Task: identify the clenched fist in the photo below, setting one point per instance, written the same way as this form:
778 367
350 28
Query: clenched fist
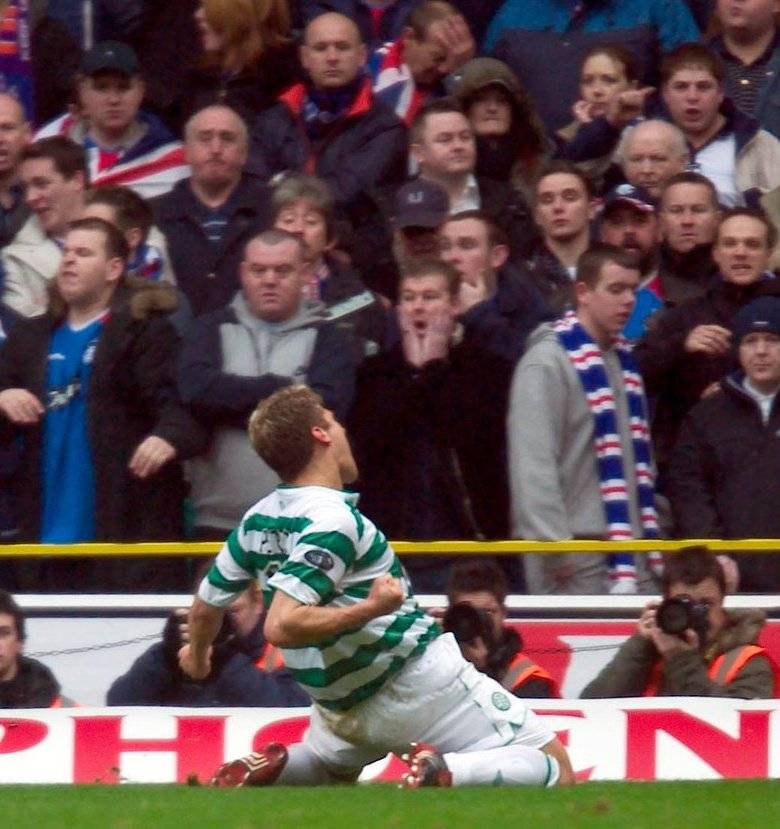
386 595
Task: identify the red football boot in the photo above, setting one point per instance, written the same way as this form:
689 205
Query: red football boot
426 768
260 768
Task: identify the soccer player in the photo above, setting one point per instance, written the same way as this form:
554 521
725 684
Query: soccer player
340 607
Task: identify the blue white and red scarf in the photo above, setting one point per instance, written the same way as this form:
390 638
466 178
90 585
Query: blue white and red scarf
588 362
151 174
393 83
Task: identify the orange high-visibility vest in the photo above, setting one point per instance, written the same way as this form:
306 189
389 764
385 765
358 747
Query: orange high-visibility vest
723 670
521 669
270 659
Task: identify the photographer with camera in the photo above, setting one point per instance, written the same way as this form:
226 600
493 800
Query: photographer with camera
476 616
689 644
246 670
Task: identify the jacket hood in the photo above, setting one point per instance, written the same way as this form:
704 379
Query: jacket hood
138 297
147 298
744 627
526 124
480 73
543 332
308 314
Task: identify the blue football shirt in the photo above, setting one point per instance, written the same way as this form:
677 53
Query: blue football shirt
68 470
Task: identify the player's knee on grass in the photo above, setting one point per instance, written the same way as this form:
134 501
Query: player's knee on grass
305 768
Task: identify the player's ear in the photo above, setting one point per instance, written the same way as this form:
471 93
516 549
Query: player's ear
321 435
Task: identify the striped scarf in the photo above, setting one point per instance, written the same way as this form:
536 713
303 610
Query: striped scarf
588 362
393 83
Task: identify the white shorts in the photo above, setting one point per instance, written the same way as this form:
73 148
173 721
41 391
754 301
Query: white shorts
438 698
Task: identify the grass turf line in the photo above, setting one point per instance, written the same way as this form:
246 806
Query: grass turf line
688 805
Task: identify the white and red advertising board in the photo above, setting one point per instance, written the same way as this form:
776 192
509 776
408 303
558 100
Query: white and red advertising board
659 739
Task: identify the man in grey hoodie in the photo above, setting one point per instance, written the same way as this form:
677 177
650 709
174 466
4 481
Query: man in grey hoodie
557 484
267 337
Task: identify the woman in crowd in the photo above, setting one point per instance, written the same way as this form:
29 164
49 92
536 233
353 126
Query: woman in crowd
606 72
247 59
303 205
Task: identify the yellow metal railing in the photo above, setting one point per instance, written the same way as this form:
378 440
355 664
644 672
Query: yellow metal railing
404 548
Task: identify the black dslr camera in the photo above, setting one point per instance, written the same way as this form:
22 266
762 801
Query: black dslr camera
674 616
467 623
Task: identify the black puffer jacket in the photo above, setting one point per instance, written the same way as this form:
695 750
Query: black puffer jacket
724 479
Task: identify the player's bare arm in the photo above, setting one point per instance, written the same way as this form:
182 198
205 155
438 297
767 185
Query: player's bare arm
290 624
203 624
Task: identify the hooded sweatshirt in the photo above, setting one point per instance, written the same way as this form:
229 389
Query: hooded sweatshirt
230 477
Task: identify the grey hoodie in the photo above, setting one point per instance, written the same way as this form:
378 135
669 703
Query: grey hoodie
553 472
230 477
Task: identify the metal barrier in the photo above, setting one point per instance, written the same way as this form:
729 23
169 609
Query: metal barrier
404 548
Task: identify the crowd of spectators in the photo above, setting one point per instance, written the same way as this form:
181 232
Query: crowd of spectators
526 250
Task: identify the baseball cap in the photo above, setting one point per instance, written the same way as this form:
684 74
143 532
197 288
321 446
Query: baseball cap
762 315
636 197
420 203
110 56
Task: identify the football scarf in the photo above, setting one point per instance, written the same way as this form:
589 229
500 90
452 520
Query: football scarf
588 362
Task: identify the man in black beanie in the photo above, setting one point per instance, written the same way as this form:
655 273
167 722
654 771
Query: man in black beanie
725 471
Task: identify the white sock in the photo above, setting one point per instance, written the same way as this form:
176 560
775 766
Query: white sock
512 765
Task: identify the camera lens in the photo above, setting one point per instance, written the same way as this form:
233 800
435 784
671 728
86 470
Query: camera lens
673 616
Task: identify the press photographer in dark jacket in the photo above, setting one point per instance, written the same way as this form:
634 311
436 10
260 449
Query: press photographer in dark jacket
476 592
246 670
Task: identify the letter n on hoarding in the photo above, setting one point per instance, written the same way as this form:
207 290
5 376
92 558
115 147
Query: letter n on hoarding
743 756
98 746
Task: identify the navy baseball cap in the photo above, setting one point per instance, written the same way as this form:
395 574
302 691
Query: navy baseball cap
420 203
110 56
636 197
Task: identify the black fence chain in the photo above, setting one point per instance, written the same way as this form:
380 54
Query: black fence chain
103 646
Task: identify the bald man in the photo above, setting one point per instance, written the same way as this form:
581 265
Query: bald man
330 125
14 137
208 218
650 153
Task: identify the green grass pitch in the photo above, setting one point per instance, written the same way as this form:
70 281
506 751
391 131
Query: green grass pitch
710 805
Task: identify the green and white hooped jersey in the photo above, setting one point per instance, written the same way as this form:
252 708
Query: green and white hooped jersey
312 544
